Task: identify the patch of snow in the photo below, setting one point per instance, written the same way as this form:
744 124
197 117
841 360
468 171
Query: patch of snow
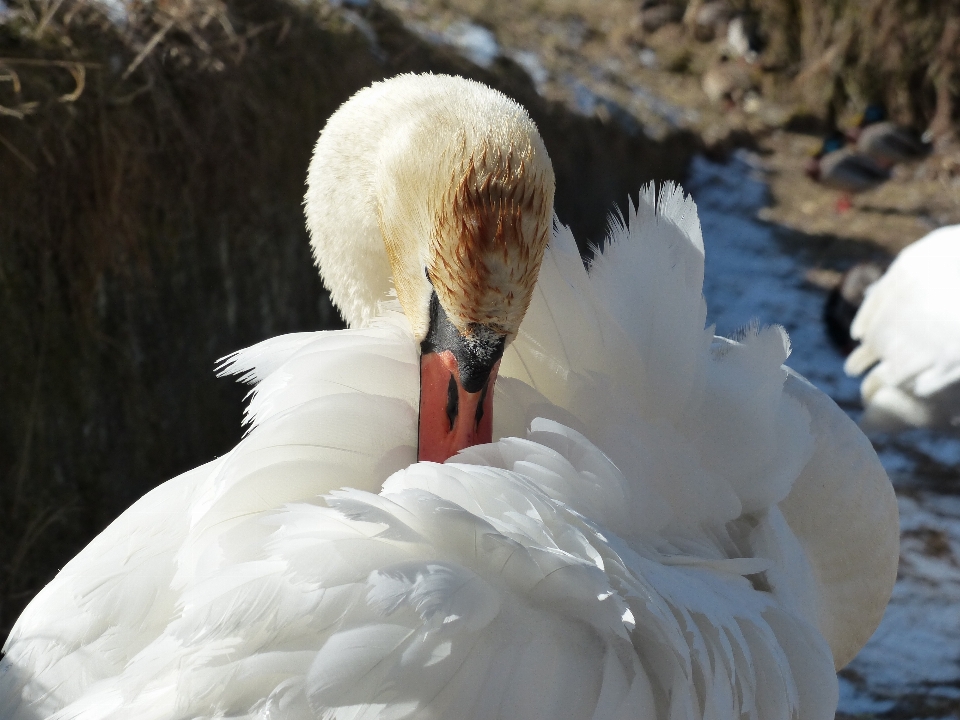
586 102
115 10
855 702
944 449
648 58
951 693
917 646
364 27
902 454
896 460
530 62
675 116
425 33
474 42
911 649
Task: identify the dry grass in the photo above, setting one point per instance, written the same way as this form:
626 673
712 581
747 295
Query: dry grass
903 53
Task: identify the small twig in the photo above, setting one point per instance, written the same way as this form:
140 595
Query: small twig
263 27
71 13
238 40
197 39
284 30
207 17
17 154
47 17
20 111
234 38
28 11
79 73
11 112
227 25
48 156
148 48
12 77
130 97
45 63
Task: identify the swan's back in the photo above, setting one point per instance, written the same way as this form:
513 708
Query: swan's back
909 332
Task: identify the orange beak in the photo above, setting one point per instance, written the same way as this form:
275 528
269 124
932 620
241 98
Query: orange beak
451 418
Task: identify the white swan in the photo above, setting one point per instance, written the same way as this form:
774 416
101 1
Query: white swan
666 525
909 332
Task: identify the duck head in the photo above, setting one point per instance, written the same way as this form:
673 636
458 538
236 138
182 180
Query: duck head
442 189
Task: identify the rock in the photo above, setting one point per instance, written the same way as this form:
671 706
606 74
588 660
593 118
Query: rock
654 14
727 80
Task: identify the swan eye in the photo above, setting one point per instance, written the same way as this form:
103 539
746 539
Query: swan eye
453 401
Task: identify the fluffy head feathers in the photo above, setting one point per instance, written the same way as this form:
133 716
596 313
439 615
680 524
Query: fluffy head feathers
438 183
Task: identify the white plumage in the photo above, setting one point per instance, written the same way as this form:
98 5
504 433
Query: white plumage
667 525
909 333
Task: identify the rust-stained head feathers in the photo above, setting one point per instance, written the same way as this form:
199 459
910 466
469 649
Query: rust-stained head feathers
489 234
450 183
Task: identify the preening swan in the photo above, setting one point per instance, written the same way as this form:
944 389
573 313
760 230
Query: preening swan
663 524
909 332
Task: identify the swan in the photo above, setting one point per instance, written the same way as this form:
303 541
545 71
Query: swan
909 332
637 519
846 169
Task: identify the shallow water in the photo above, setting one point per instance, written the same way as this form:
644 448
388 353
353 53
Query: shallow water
911 666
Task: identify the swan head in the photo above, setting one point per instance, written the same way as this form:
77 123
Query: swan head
440 188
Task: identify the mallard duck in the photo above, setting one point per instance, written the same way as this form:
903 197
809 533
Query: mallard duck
845 169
